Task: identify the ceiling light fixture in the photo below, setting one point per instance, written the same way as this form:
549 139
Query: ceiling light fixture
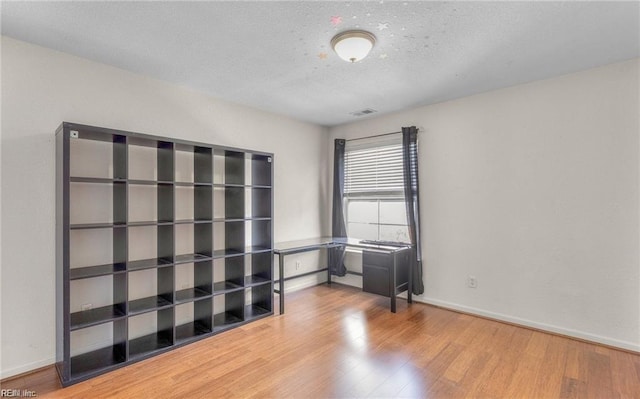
353 45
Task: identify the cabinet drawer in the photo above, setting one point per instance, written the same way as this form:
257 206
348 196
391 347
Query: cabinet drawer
377 259
376 280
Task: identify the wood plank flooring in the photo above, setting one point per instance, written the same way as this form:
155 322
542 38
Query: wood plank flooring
340 342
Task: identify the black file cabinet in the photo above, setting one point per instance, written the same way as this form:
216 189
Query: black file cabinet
378 271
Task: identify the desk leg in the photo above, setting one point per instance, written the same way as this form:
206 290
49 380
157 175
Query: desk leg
410 289
394 282
328 266
281 276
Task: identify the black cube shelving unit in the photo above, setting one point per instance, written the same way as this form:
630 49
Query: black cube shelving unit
159 242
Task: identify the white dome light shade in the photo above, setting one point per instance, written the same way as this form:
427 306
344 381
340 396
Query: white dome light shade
353 45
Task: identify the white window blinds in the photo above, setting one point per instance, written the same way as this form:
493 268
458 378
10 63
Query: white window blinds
374 168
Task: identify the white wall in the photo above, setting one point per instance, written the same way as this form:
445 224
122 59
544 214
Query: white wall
40 89
533 190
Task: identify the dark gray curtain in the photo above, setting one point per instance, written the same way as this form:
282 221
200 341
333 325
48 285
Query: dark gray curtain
338 227
411 198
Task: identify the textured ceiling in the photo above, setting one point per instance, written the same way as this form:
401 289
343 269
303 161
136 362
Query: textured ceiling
276 55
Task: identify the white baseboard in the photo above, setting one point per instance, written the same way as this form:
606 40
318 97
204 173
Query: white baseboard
6 373
349 279
302 283
533 324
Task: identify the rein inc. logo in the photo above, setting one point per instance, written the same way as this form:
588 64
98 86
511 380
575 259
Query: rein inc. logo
17 393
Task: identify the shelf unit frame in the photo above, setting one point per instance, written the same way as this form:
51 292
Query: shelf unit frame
247 288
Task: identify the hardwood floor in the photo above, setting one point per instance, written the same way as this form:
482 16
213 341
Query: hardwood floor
341 342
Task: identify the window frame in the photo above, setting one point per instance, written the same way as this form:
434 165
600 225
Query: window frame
379 196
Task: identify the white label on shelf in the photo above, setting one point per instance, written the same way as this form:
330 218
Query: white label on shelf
269 159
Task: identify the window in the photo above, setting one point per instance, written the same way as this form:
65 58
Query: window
374 190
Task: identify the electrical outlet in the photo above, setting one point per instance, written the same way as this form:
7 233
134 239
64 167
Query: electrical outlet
86 306
298 265
472 282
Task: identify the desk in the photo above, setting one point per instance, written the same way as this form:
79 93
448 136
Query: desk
314 244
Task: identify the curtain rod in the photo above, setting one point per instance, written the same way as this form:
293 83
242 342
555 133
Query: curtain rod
370 137
377 135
